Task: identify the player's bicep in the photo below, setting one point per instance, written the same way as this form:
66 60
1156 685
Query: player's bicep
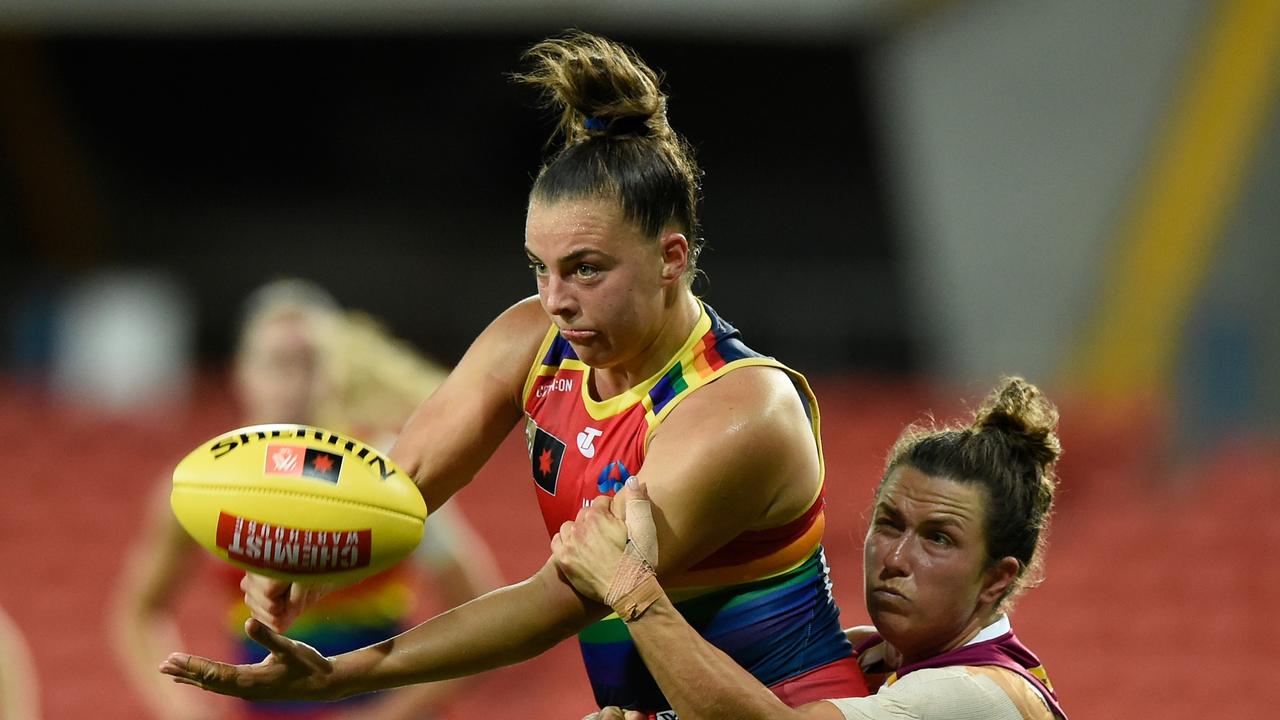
707 487
455 430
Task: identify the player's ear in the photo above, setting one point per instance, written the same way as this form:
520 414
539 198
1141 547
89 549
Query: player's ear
675 256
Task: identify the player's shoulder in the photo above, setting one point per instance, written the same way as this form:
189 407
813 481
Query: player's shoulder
752 403
933 694
764 391
941 691
524 320
516 333
501 355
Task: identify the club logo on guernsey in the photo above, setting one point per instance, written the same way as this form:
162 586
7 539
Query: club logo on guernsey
545 453
585 440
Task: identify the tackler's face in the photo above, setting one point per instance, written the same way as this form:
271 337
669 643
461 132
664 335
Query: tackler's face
600 279
926 580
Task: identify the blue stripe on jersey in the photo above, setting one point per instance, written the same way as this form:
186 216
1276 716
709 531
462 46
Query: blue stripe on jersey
728 340
559 350
667 387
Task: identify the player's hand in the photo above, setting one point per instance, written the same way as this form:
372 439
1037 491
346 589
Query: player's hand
612 712
277 603
588 548
293 670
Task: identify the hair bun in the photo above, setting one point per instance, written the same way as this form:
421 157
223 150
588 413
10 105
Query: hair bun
1018 409
602 88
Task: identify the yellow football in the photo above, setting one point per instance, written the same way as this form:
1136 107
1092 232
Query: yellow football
298 503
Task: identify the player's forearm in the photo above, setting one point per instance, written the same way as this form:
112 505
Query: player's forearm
699 680
442 448
415 702
139 640
19 696
500 628
144 629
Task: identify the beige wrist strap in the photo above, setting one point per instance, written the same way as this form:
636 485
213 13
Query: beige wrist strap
635 583
634 588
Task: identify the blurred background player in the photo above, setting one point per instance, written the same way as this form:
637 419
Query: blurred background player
19 695
302 359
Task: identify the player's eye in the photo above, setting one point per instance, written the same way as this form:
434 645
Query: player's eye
941 538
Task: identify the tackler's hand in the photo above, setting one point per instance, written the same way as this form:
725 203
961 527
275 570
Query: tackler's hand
588 548
293 670
613 712
609 560
642 534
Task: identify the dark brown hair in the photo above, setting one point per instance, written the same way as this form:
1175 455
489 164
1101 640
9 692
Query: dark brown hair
1011 449
617 143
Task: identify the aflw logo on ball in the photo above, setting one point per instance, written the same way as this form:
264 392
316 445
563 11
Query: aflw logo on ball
302 461
292 549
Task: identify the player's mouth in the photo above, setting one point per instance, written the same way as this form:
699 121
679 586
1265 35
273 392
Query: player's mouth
578 337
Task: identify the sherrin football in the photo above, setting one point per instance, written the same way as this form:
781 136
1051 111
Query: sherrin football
298 503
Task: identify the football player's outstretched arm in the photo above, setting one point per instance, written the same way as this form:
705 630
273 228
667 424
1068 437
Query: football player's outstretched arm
445 442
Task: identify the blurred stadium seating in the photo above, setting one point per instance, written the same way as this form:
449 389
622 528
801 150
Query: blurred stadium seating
1159 598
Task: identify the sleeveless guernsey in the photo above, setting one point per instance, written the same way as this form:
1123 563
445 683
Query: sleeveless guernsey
1004 650
764 598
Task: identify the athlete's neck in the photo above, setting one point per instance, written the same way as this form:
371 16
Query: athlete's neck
677 323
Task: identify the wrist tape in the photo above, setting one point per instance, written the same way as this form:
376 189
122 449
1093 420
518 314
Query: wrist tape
635 583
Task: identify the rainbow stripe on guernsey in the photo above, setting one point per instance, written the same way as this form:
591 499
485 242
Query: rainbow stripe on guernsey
383 601
371 611
362 614
764 598
703 364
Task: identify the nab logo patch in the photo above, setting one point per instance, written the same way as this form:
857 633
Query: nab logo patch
545 455
303 462
612 477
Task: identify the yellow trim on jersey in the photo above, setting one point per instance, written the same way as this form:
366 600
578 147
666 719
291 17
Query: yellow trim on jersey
604 409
